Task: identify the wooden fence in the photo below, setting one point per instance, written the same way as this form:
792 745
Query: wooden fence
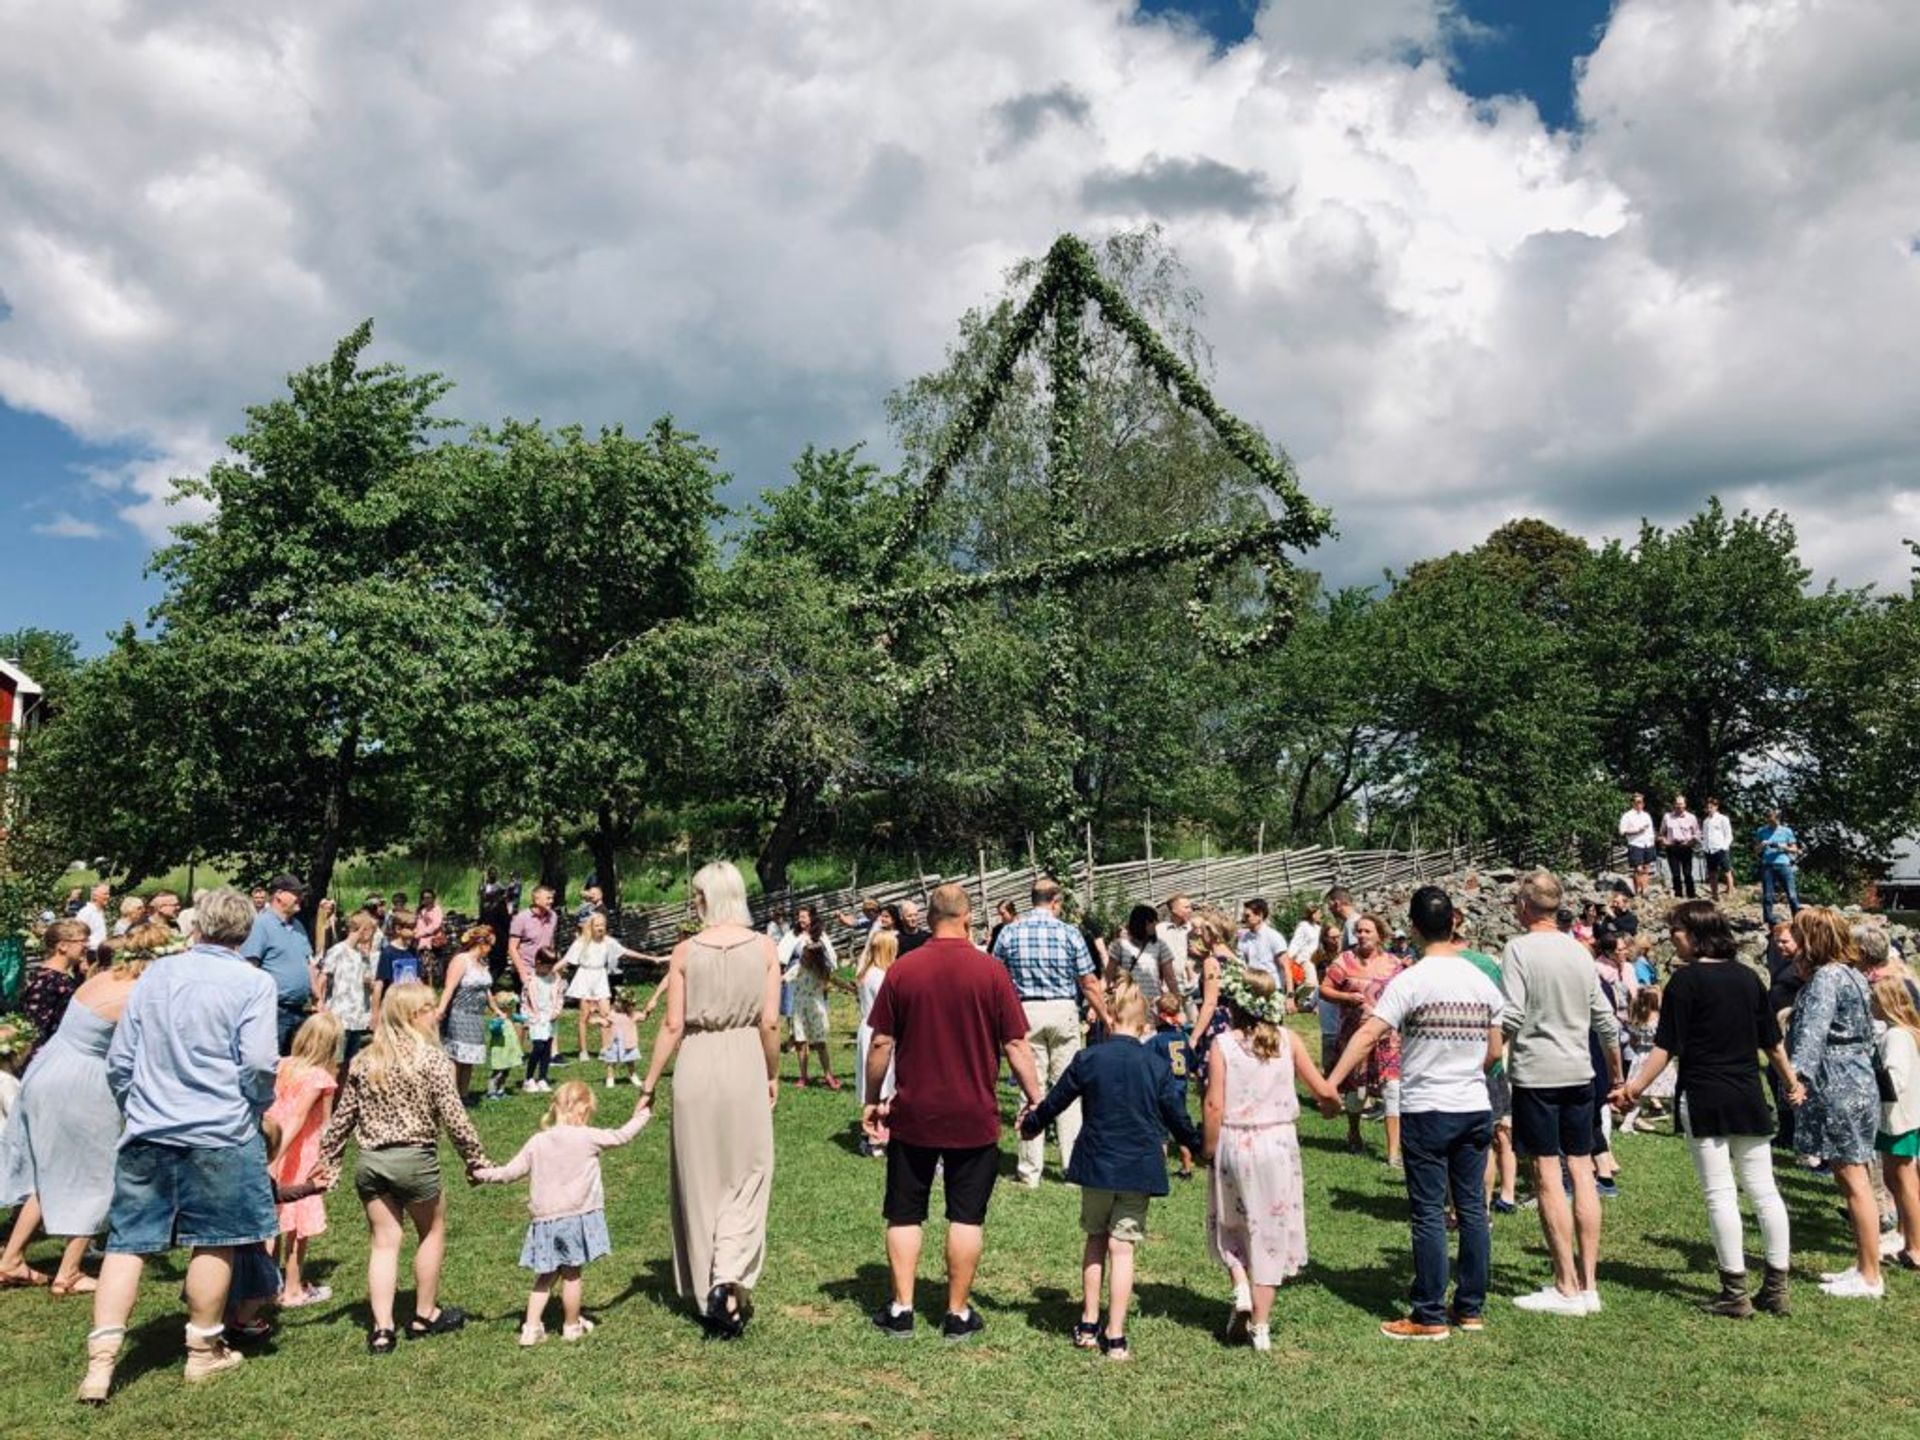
1110 889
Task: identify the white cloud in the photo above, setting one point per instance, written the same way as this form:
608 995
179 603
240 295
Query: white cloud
69 527
762 216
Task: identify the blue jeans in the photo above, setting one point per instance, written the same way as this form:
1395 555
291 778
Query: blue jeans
1772 878
1446 1156
194 1198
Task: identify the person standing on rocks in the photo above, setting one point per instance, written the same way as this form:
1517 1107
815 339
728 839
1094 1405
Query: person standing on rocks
1553 1000
1716 839
1779 849
1680 837
1636 830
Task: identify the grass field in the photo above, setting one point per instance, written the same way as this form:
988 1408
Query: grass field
1651 1364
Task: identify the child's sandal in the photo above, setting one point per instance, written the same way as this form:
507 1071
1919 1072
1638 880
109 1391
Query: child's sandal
1114 1347
1086 1334
382 1342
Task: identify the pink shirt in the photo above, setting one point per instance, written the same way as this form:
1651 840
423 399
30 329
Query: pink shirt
1680 829
531 933
565 1165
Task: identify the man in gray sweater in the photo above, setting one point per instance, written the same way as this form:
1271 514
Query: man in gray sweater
1553 1000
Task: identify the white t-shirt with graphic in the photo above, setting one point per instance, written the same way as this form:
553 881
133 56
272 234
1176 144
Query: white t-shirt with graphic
1442 1008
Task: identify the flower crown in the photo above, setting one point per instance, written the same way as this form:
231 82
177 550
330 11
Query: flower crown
17 1036
176 946
1238 991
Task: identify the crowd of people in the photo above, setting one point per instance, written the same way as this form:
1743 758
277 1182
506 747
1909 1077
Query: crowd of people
197 1081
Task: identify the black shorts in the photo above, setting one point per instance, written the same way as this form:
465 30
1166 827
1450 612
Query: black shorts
968 1176
1719 863
1559 1121
1641 856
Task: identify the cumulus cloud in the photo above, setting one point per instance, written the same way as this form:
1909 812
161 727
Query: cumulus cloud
762 215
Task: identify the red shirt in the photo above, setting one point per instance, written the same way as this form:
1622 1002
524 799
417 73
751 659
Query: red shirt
949 1008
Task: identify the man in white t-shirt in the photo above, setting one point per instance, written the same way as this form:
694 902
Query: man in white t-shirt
93 915
1716 839
1447 1014
1259 944
1636 829
1174 932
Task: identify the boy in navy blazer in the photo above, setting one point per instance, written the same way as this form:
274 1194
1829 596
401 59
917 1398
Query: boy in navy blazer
1130 1100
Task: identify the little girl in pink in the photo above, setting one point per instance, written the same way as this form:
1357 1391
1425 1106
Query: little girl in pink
569 1228
303 1090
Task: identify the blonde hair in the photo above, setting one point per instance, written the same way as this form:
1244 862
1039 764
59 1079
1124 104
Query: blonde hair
1263 1036
1128 1007
883 948
397 1045
1894 1004
596 926
315 1043
361 925
720 895
572 1104
135 950
1540 892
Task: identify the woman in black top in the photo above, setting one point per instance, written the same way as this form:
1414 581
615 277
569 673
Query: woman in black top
1715 1019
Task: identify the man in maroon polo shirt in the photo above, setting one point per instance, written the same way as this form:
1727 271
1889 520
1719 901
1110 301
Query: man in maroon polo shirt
944 1016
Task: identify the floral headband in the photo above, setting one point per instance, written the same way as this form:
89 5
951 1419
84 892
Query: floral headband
1239 993
17 1036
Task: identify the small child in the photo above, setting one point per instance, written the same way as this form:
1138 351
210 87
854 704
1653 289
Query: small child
303 1091
1173 1041
503 1042
1256 1199
622 1042
544 1000
1129 1100
1643 1019
569 1229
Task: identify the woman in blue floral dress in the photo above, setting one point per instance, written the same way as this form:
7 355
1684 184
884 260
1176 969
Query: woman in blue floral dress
1831 1042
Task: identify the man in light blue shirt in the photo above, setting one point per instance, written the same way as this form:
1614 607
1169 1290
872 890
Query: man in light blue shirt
1778 846
192 1065
1260 945
281 947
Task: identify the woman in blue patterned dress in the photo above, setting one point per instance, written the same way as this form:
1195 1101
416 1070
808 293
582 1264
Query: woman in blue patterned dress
1831 1041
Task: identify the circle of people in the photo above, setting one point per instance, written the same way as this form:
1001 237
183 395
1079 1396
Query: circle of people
182 1097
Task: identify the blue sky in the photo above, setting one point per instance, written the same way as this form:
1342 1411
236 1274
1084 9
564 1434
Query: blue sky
1450 314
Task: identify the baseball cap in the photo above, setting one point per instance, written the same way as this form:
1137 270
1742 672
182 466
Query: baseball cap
284 882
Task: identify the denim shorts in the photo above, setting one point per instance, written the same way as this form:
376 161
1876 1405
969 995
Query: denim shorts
175 1195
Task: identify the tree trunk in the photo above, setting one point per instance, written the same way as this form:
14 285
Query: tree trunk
553 862
777 850
606 863
333 822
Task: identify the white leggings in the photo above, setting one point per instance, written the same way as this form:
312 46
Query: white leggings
1718 1160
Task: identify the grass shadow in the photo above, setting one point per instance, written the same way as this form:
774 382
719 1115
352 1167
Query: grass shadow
1388 1205
655 1283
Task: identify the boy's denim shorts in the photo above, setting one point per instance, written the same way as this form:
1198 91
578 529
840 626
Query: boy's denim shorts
173 1195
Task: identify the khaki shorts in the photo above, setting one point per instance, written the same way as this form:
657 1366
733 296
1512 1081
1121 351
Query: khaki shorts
407 1173
1118 1214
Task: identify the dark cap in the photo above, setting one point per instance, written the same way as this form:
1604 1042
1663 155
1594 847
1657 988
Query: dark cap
285 882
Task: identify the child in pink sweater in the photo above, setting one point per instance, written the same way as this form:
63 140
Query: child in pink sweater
569 1226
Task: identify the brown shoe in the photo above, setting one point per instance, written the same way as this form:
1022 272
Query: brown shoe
1413 1330
1773 1293
209 1355
103 1351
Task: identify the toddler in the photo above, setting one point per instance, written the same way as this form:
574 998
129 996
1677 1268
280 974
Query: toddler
622 1042
1643 1019
503 1042
1129 1099
543 1000
303 1091
569 1228
1172 1040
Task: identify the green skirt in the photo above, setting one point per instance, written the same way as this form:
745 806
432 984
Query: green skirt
1901 1147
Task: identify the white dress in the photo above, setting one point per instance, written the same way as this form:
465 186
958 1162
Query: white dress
591 961
863 1038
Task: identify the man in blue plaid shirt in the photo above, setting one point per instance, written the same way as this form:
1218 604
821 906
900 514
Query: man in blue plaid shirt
1051 968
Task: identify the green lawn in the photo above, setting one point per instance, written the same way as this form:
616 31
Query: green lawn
1650 1365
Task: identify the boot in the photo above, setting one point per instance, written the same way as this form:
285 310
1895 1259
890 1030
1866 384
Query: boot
1732 1300
208 1354
1773 1293
103 1351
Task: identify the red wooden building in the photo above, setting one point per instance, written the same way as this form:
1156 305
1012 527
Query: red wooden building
19 709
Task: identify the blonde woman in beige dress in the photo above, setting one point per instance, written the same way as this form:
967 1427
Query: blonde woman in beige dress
723 1016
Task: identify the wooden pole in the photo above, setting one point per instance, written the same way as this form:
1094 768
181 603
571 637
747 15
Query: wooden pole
981 852
1086 902
1206 868
920 875
1286 870
1147 827
1260 860
1033 860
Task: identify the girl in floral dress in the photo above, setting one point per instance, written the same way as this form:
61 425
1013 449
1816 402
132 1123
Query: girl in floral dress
303 1091
1256 1203
1355 983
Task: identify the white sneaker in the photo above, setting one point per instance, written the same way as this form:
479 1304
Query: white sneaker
611 1082
1549 1301
636 1082
1261 1337
1243 1297
1591 1299
1891 1244
577 1331
531 1335
1853 1286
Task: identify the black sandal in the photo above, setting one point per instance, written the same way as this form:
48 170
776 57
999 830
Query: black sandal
446 1320
1086 1334
382 1342
723 1322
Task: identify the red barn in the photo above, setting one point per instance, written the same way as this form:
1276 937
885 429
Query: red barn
19 708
